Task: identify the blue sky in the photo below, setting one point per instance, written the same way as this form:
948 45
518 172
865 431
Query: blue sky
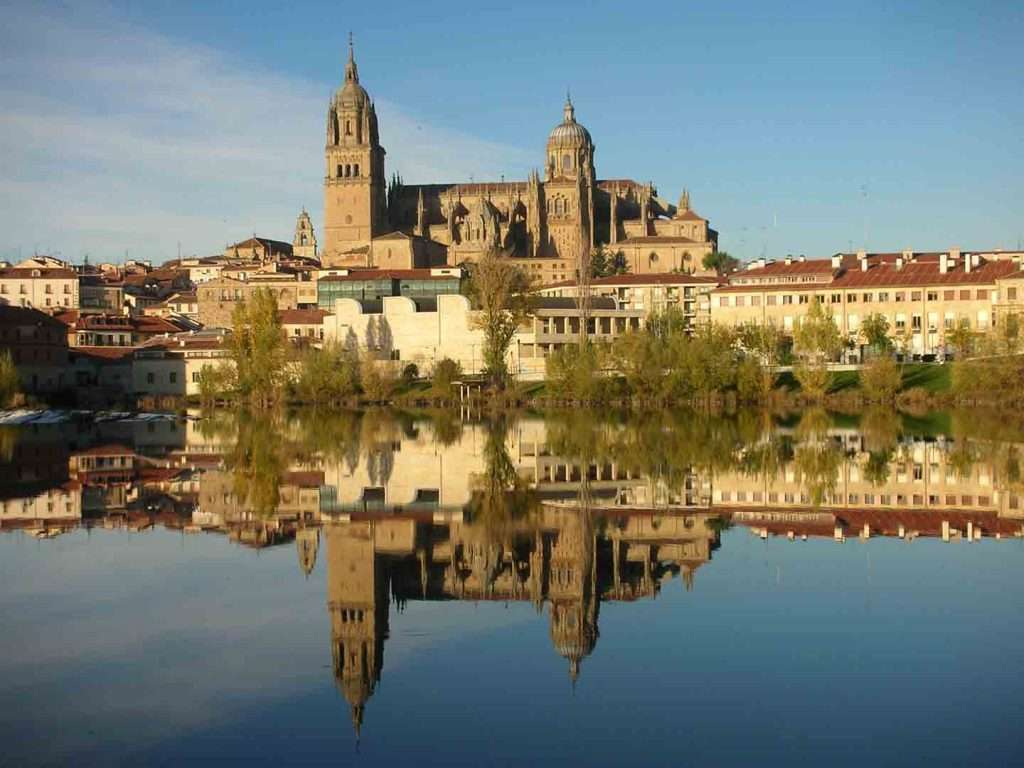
798 127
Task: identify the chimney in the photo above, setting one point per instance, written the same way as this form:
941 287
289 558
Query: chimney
802 258
943 263
954 256
837 261
789 259
908 256
899 262
864 264
968 262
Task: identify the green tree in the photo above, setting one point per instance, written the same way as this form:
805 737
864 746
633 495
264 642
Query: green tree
764 343
817 341
961 338
257 346
575 372
216 383
721 262
378 378
880 379
10 384
604 263
446 371
500 292
327 375
874 330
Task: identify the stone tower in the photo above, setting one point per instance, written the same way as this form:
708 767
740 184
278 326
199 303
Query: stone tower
569 188
357 599
304 242
354 188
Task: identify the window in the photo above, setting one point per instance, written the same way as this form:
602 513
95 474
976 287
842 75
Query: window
949 295
150 378
355 169
348 127
980 295
901 322
755 301
195 377
1011 294
804 298
883 296
566 162
867 297
933 295
173 378
741 301
787 299
837 298
965 295
915 295
900 296
770 300
915 322
851 298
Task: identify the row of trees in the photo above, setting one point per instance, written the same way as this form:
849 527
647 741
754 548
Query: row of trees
668 360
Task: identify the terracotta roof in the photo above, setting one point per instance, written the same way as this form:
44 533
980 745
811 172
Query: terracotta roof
688 215
48 273
105 354
795 267
926 273
302 316
666 278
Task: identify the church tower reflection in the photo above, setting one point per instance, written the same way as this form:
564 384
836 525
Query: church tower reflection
567 556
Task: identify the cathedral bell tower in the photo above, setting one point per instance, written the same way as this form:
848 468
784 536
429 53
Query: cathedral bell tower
569 189
354 189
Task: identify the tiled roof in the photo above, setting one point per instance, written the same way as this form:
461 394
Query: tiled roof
688 215
47 273
302 316
105 354
665 278
926 273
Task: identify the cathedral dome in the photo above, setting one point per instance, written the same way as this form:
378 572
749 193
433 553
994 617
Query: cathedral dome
351 94
569 133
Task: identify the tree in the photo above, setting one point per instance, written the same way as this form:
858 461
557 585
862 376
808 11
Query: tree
328 375
500 291
378 378
874 330
606 264
446 371
257 347
764 341
880 379
10 384
575 372
216 382
817 341
721 262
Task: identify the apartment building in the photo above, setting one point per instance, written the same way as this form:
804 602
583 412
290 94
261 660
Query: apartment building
650 293
42 287
923 295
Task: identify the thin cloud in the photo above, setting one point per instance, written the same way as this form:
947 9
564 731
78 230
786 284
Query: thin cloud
117 139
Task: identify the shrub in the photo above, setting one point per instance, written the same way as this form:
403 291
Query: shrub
378 379
410 373
880 379
753 380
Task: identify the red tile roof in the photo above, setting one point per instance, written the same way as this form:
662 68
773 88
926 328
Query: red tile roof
924 273
302 316
385 274
48 273
661 278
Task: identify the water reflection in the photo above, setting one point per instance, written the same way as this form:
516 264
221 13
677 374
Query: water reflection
564 513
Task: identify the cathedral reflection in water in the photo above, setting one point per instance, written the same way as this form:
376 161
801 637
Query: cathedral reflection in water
400 509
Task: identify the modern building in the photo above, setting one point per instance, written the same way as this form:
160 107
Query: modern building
375 284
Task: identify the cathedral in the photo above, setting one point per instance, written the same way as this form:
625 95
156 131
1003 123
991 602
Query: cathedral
547 223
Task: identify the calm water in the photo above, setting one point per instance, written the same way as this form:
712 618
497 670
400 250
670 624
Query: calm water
376 589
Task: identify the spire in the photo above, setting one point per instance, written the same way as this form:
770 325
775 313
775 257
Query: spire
569 110
351 72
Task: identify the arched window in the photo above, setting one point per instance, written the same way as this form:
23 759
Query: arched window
348 127
348 170
566 162
653 257
355 169
341 170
